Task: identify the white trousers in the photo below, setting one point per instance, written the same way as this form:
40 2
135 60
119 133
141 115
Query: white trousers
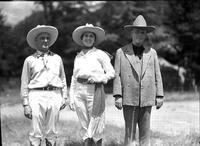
93 127
45 107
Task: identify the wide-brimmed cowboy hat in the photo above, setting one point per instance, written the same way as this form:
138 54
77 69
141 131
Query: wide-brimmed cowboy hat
140 23
78 32
33 33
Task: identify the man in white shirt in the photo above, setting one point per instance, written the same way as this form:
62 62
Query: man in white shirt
43 86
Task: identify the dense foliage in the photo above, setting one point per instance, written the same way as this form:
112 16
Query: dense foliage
176 36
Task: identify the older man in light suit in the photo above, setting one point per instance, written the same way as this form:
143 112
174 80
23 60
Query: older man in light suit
138 83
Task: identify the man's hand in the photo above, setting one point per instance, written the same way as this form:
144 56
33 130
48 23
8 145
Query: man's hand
63 105
118 102
28 111
159 102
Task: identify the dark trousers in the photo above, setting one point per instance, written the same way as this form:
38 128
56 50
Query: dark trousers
133 116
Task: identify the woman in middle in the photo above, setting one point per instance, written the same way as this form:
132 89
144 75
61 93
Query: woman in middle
92 69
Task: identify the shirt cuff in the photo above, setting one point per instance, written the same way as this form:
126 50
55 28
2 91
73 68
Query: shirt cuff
158 96
25 101
117 96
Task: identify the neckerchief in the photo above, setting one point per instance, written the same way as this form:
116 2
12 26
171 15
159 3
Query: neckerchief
138 50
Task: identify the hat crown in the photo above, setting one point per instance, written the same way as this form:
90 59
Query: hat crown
40 26
140 21
89 25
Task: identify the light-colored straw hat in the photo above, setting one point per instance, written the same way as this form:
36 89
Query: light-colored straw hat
78 32
33 33
140 23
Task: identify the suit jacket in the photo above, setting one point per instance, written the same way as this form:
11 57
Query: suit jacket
137 89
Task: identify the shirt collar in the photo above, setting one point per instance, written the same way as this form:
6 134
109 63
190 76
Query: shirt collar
82 53
41 54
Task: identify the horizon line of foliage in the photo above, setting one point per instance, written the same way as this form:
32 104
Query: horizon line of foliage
176 36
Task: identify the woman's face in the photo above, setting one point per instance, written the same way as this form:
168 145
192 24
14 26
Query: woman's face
88 39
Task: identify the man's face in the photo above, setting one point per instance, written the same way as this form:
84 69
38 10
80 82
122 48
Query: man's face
42 42
138 36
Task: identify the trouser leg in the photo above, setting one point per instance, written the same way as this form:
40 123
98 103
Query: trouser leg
38 113
52 117
144 125
130 117
83 104
82 113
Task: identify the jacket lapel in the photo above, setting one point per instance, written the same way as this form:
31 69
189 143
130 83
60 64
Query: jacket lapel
146 58
128 51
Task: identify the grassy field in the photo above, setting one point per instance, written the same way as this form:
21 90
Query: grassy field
15 133
15 130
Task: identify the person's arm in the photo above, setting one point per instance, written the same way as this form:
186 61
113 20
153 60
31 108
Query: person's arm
63 79
107 66
158 78
25 79
159 84
117 87
64 87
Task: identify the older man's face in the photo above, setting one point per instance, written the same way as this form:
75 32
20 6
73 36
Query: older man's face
42 41
138 36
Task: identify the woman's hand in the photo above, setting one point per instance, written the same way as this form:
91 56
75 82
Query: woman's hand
91 80
63 105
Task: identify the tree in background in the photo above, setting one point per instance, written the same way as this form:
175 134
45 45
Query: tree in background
4 44
110 15
185 21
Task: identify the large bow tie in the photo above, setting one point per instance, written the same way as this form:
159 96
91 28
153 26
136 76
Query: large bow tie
138 50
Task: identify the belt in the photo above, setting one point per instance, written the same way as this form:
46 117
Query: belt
82 80
49 88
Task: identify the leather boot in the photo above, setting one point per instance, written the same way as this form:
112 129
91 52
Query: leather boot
98 143
49 143
88 142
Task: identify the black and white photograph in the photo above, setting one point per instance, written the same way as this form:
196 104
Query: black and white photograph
100 73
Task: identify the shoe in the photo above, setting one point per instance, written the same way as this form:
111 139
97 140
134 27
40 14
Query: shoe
48 143
98 143
88 142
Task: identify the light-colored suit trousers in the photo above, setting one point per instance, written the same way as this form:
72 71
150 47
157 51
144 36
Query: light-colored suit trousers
45 107
93 126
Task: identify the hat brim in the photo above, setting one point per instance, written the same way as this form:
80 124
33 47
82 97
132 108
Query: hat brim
147 28
77 33
32 34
